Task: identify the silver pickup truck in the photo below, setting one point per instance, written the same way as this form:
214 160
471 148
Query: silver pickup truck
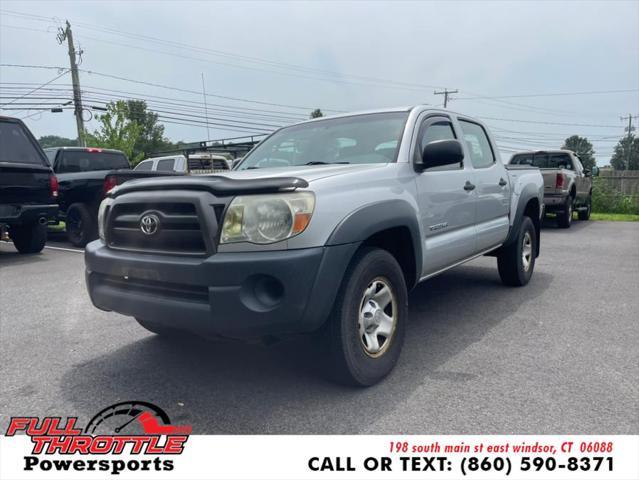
322 228
567 184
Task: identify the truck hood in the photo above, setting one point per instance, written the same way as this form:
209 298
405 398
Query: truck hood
246 181
309 173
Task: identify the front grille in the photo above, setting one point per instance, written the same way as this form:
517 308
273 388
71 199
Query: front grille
178 228
160 289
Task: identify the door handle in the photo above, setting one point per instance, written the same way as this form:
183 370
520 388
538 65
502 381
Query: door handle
469 186
502 182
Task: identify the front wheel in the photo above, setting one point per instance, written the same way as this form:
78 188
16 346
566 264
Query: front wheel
29 238
365 331
516 262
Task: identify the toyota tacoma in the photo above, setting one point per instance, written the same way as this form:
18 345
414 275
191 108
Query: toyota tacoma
322 228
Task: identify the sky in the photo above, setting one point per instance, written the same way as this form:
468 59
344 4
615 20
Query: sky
535 72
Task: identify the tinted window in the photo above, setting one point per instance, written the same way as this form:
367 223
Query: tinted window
51 155
165 165
16 146
89 161
436 131
543 160
481 153
370 138
144 166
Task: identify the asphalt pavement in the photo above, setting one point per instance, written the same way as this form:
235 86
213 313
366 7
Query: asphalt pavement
560 355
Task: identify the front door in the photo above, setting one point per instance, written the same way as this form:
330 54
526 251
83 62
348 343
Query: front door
446 203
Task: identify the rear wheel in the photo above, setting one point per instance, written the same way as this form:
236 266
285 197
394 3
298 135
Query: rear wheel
516 262
81 225
365 331
585 213
29 238
564 218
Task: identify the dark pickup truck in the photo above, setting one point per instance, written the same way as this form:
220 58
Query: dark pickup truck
28 187
85 175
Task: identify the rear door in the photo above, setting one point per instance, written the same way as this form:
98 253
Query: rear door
491 186
582 183
24 169
447 210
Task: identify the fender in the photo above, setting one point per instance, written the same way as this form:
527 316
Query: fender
528 193
376 217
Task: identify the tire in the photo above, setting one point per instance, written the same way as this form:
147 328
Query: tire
158 329
585 214
362 355
81 225
564 218
516 262
29 238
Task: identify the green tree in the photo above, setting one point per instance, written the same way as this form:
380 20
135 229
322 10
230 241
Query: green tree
48 141
117 131
582 147
317 113
626 149
151 137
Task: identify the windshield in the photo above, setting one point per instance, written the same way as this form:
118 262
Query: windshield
90 160
372 138
543 160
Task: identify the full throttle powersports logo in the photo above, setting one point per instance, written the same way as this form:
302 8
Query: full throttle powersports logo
125 428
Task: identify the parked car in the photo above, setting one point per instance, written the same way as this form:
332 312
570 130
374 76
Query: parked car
28 187
567 184
324 227
198 163
85 174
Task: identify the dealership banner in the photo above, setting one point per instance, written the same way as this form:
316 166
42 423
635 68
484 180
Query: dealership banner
60 449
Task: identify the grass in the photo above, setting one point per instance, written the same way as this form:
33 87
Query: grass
615 217
57 228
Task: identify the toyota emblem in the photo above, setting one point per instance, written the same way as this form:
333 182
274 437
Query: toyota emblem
149 224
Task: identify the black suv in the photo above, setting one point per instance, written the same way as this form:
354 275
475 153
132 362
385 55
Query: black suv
28 187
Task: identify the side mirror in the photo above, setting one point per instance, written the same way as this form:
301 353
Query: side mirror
595 171
587 172
236 162
441 152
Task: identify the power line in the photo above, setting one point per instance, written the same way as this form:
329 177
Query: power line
531 95
35 89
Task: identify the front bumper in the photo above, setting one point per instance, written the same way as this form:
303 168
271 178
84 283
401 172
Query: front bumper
26 214
236 295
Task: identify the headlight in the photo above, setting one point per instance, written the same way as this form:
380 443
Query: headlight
267 218
101 214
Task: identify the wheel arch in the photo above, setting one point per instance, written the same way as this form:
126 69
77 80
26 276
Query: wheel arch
391 225
530 206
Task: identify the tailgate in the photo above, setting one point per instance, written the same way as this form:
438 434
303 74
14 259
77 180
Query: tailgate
24 184
550 180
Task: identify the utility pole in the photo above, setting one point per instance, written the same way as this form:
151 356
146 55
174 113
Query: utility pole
445 93
629 128
67 34
206 110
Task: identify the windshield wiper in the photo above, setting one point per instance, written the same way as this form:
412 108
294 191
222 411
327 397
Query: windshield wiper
327 163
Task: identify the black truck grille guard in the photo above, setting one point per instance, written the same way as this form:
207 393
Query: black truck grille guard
164 227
